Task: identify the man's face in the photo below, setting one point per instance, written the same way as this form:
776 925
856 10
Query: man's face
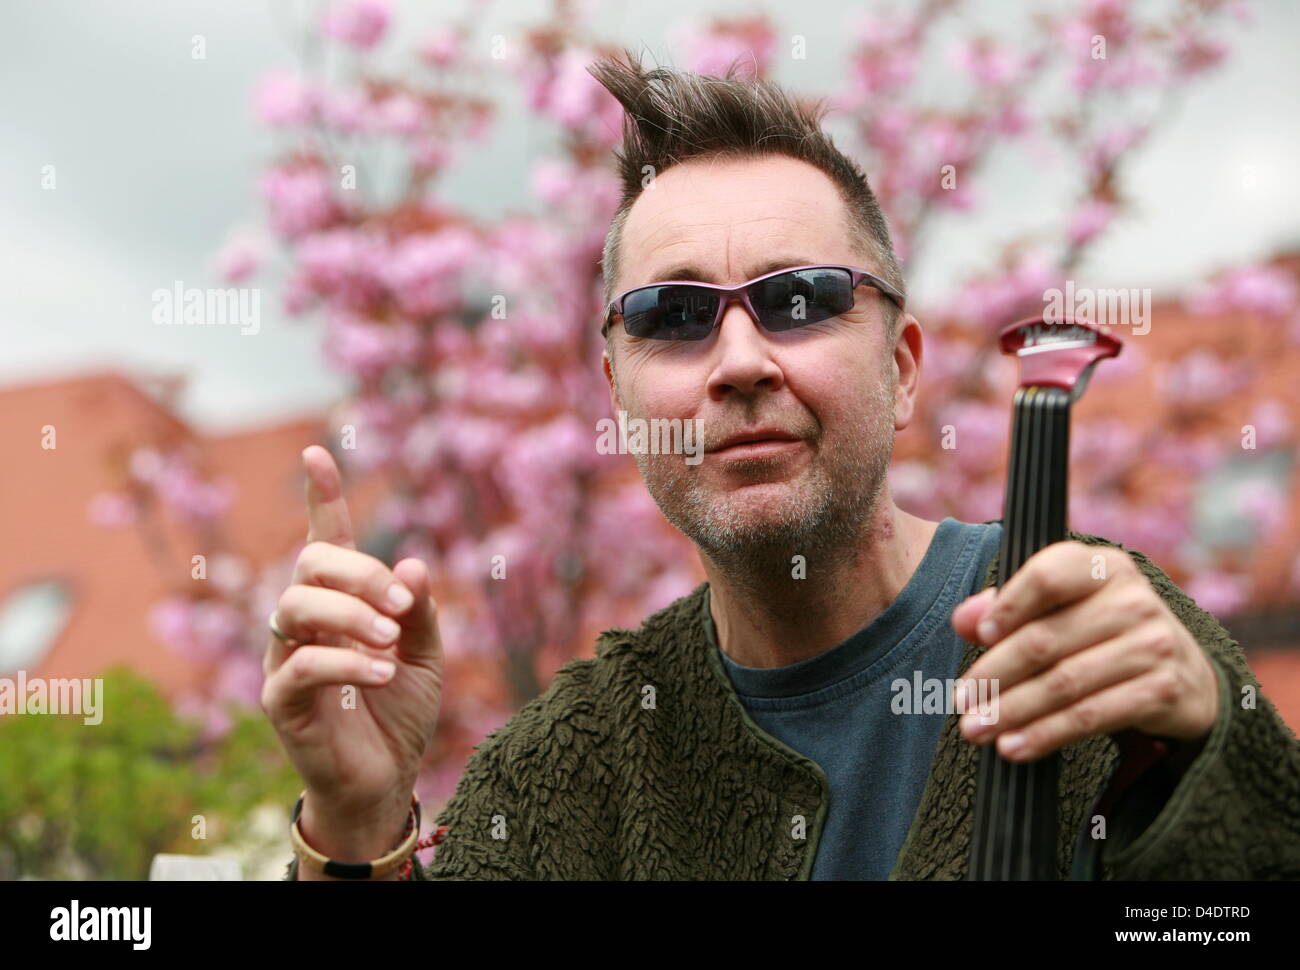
830 385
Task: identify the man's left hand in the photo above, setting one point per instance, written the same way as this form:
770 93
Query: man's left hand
1082 645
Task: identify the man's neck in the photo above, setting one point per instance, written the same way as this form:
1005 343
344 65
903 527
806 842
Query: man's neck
794 619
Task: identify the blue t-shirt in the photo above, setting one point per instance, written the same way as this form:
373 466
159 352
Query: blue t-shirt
839 707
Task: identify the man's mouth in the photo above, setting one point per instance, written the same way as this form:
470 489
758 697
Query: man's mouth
758 443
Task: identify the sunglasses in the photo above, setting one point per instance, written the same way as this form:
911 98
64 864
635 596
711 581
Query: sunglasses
783 300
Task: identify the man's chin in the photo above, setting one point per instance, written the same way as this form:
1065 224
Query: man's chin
739 522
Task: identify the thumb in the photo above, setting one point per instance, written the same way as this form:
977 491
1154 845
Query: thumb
420 638
966 617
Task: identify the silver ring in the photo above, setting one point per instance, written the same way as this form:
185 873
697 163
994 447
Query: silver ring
278 633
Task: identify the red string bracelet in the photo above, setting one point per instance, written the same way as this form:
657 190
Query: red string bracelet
428 842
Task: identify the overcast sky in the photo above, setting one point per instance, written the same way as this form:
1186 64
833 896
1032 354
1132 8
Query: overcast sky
156 156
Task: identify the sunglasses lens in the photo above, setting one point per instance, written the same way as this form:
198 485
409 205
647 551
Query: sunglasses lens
802 297
670 312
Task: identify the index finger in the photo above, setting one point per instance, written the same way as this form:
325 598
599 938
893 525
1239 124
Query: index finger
327 510
1055 576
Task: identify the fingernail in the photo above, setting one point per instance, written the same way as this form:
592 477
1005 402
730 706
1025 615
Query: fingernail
971 727
383 668
988 631
1011 743
399 597
387 629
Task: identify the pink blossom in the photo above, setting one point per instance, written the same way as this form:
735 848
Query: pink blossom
512 391
1012 118
876 72
981 501
945 142
217 722
988 63
1129 365
358 23
1218 593
343 264
946 357
1159 529
1196 52
432 152
1191 455
1265 505
400 114
423 270
227 573
348 111
995 301
145 465
284 98
891 127
192 498
475 442
979 431
240 257
546 331
112 510
366 348
240 679
436 789
451 343
213 720
300 199
912 485
441 510
201 632
669 587
1266 290
297 295
1271 422
1100 445
570 95
1097 514
442 46
1089 220
1101 154
555 182
714 49
1201 376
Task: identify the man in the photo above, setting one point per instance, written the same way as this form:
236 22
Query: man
757 728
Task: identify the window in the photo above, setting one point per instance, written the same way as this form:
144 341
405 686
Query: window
31 619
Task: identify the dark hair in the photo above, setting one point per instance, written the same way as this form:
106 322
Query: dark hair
671 117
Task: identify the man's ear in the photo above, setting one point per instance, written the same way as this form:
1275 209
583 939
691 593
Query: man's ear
908 351
608 366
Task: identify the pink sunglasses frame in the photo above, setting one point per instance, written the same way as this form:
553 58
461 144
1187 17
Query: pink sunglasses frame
740 292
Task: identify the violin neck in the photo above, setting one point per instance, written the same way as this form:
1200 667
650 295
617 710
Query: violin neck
1016 804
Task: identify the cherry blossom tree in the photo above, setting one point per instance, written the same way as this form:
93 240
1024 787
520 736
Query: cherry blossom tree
472 347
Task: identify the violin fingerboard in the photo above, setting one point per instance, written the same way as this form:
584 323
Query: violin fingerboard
1015 827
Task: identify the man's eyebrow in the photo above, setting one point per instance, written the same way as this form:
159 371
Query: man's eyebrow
689 272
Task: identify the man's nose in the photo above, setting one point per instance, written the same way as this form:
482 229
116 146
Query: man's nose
743 355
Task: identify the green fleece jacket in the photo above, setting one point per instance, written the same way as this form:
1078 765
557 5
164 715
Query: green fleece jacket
642 763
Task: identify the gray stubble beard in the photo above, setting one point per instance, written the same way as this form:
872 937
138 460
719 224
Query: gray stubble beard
827 521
